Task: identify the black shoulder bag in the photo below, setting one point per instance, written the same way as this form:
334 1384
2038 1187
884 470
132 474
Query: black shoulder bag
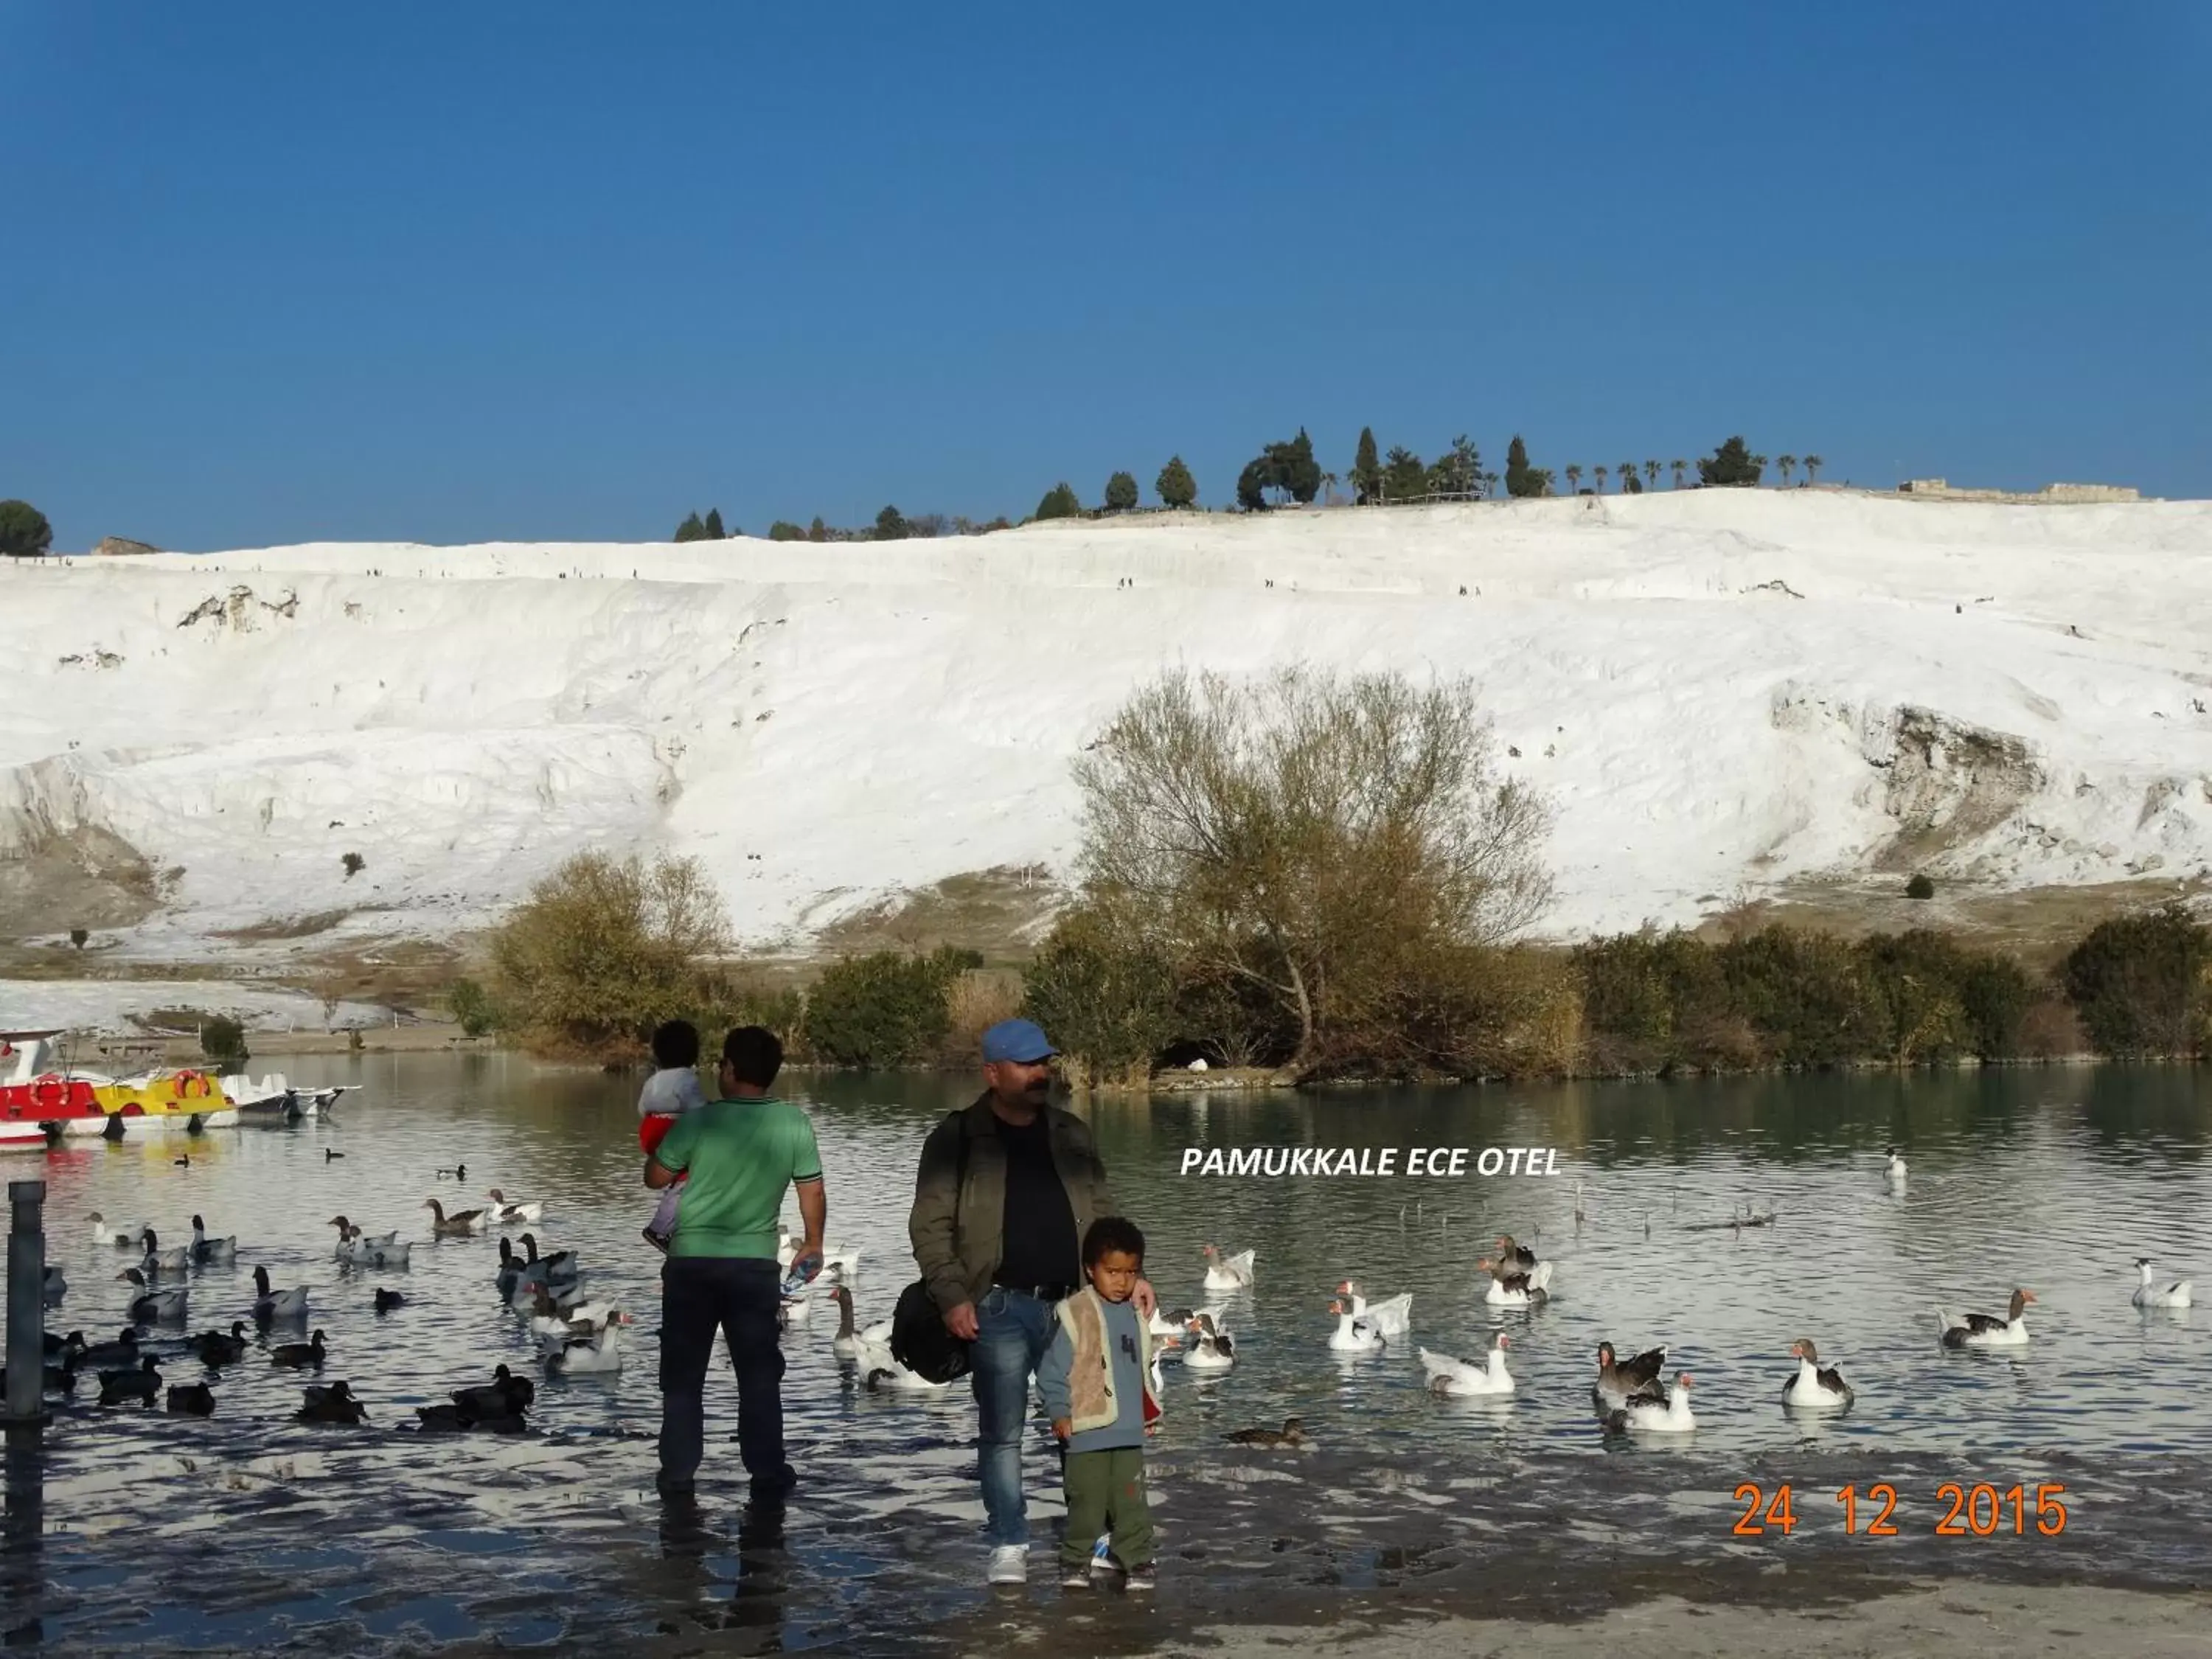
919 1339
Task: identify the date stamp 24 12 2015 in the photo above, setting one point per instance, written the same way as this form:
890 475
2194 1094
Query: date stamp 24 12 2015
1980 1510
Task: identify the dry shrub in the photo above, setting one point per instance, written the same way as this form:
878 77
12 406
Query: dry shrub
976 1001
2051 1030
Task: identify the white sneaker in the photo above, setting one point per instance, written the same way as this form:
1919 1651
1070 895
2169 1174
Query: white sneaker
1010 1565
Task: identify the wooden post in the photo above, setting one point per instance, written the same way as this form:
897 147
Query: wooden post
27 1304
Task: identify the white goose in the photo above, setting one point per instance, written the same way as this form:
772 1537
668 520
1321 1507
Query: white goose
204 1249
1643 1415
1457 1380
1511 1288
103 1234
1812 1388
600 1351
1351 1334
1232 1273
568 1324
1987 1330
503 1212
2151 1295
1393 1316
1894 1171
846 1345
882 1372
277 1304
1213 1351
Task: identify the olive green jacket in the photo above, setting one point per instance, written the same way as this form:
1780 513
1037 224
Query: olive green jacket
957 1226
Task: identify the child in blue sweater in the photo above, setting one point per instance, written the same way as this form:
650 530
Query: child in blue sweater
1096 1378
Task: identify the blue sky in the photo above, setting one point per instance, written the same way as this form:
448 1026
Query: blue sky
451 273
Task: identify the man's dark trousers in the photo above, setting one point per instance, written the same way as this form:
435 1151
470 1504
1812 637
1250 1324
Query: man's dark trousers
738 1296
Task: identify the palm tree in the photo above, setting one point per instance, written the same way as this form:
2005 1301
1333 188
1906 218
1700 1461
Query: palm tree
1627 474
1811 468
1651 473
1328 482
1788 463
1490 483
1680 467
1599 472
1759 461
1575 477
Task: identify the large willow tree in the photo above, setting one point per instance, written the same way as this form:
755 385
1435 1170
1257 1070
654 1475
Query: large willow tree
1332 842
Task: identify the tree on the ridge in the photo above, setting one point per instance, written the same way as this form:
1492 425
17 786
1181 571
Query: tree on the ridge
818 531
1626 473
1404 478
1813 465
1521 480
1295 469
1176 488
1651 473
1060 502
1366 468
1121 492
1252 485
1680 467
714 525
692 530
1788 465
1575 476
890 525
24 531
784 531
1731 463
1599 473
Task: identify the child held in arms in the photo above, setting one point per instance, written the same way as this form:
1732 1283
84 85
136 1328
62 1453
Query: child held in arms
670 1092
1096 1381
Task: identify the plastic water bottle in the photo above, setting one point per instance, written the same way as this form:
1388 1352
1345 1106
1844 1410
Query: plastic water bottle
803 1272
1100 1553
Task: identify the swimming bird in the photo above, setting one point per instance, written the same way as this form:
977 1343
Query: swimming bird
70 1347
387 1300
309 1352
1393 1315
453 1226
54 1286
1515 1258
1456 1379
331 1402
124 1350
162 1305
504 1213
329 1154
220 1348
1619 1380
1894 1171
101 1234
1511 1288
509 1275
548 1269
600 1351
845 1345
141 1385
1352 1335
1292 1434
1232 1273
506 1392
159 1260
2149 1295
1646 1415
1811 1388
205 1249
880 1369
1213 1351
192 1400
182 1161
459 1172
1987 1330
447 1419
277 1304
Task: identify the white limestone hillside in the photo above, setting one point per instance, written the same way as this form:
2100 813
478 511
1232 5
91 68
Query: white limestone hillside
1719 690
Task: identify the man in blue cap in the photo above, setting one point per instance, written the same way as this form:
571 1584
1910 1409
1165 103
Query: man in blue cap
1006 1190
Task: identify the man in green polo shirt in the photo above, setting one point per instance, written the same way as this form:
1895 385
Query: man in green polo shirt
739 1153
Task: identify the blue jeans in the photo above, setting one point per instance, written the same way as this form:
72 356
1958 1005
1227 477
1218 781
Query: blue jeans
737 1296
1012 1331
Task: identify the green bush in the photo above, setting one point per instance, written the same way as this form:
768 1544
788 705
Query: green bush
1920 887
1175 485
884 1009
1109 1005
222 1038
472 1007
2142 984
1060 502
784 531
1121 492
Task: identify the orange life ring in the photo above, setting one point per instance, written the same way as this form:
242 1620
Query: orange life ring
49 1093
191 1084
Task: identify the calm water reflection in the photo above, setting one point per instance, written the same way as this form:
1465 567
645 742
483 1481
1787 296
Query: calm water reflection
2054 1179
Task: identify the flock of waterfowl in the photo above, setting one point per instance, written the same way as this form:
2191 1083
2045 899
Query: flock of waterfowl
575 1337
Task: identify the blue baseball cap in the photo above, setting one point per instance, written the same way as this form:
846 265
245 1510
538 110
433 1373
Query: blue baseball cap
1020 1041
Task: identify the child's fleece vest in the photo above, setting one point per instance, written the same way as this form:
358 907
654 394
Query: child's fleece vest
1091 1401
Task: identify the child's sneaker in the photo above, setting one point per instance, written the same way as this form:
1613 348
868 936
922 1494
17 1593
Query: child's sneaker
1140 1581
1075 1577
659 1241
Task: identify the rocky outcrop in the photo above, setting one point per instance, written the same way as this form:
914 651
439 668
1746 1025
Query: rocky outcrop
115 546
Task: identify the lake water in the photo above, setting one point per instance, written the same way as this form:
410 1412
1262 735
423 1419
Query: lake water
2054 1179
